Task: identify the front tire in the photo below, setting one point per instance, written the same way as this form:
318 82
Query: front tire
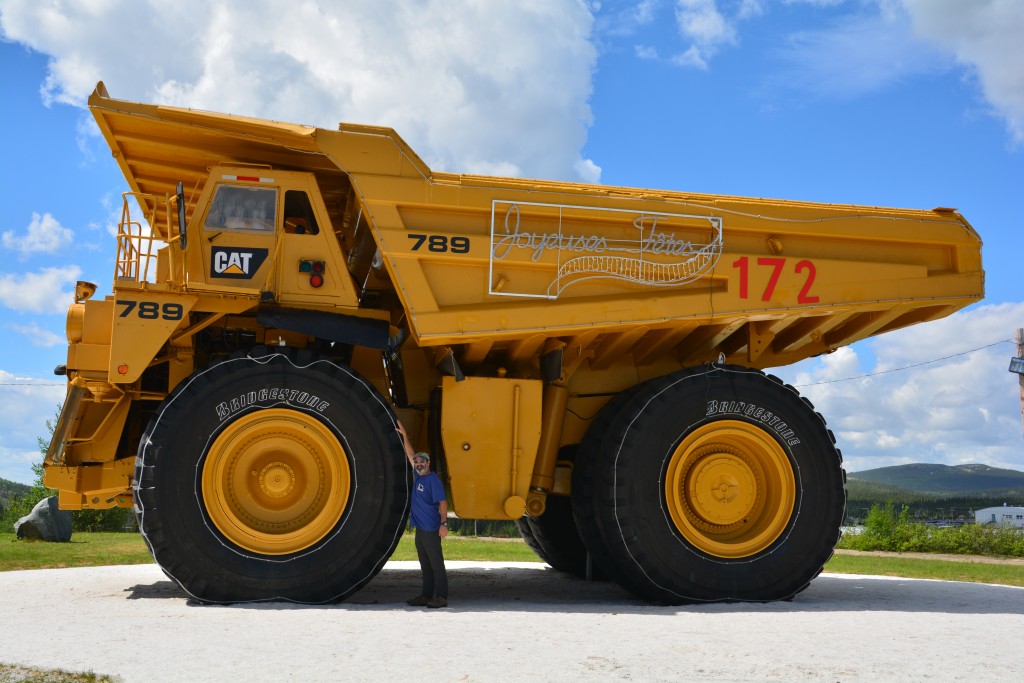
272 476
718 484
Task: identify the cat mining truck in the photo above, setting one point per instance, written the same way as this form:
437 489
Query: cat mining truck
585 360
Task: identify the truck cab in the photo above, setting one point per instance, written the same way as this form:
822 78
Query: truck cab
267 232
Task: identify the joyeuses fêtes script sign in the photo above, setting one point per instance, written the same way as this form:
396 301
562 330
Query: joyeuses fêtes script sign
539 250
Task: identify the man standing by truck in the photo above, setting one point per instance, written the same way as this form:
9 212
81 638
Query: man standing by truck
430 518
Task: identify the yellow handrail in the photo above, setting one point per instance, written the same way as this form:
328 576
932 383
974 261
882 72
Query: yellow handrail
134 244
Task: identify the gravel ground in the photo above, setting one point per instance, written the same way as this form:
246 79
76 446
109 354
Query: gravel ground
511 622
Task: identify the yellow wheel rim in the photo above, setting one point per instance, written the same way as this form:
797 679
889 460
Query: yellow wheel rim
730 489
275 481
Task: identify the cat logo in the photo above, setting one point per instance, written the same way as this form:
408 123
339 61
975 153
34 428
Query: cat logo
234 262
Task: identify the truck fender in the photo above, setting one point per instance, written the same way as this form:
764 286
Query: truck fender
337 327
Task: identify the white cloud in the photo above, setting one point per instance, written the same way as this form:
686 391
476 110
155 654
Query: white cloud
819 3
50 290
473 86
985 35
964 409
44 234
749 9
705 27
865 46
645 51
700 22
16 465
86 132
882 42
859 53
588 171
28 404
644 11
38 336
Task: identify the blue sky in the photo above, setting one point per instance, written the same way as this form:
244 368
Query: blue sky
909 103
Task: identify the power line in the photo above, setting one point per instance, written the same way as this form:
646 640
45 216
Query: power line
907 367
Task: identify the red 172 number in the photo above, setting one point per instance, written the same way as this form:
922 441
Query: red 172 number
778 265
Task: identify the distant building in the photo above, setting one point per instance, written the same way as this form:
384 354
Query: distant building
1005 515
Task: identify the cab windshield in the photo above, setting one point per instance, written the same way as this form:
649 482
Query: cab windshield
243 208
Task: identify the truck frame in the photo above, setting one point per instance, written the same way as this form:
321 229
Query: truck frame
585 360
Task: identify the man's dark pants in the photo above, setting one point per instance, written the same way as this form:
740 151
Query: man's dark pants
435 578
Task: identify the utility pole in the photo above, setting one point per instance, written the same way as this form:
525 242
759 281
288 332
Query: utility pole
1020 378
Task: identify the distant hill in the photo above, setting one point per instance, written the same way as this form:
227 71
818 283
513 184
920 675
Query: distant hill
9 489
941 479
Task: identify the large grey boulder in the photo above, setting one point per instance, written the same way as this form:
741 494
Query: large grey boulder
46 522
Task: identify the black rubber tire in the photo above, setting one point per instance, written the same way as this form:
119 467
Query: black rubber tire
556 535
526 533
584 486
553 535
173 516
647 551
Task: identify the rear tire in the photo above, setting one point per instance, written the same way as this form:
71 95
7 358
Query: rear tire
717 484
272 476
526 533
585 486
554 535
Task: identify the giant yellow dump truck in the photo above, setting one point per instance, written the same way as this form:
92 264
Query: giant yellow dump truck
583 359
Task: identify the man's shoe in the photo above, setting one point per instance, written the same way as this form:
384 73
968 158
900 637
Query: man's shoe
418 601
437 602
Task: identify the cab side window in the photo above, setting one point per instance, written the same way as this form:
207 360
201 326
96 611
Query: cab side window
299 218
243 208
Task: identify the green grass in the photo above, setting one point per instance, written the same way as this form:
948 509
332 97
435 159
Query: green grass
84 550
469 548
29 674
926 568
98 549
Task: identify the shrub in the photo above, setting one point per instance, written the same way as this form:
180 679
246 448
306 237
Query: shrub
886 530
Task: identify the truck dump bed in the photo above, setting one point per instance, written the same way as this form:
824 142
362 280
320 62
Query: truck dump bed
496 268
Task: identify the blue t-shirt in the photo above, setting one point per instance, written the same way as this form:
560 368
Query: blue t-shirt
427 492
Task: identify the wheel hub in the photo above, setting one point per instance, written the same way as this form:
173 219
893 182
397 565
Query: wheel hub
721 488
730 489
277 479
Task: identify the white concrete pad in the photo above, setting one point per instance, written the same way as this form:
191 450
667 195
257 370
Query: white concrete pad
511 622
